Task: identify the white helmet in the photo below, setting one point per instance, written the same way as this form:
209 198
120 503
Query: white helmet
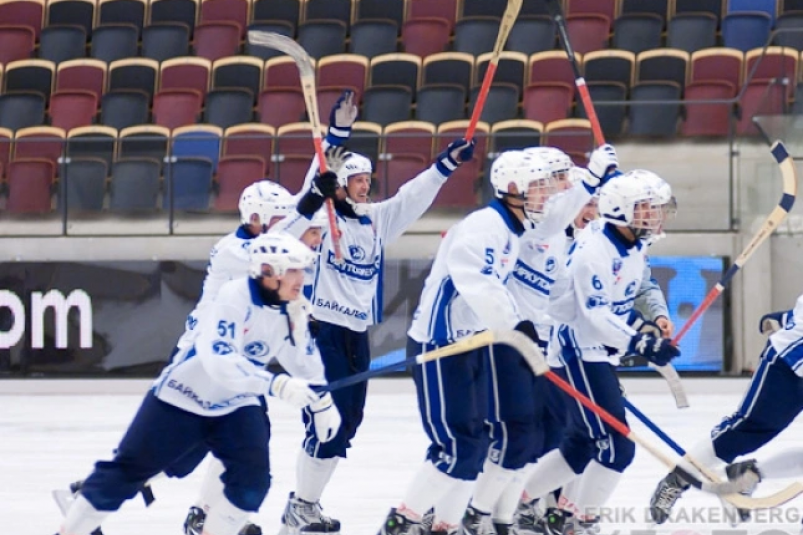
267 199
281 252
665 199
559 161
353 164
630 200
528 171
320 219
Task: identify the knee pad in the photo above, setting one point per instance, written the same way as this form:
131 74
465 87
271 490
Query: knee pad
246 489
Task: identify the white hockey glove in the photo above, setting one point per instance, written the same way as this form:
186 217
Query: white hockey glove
774 321
603 164
342 116
325 417
299 311
294 391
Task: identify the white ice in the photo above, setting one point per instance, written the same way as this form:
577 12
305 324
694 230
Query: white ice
47 441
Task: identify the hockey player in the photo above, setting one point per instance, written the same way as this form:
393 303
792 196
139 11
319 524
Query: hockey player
772 401
591 301
211 393
346 300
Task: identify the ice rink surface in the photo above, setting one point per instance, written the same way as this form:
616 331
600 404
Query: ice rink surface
47 441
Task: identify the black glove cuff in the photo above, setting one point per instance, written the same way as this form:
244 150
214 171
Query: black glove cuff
527 327
310 203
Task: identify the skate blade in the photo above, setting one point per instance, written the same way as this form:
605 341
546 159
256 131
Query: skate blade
64 499
287 530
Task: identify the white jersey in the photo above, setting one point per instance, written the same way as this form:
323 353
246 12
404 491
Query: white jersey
788 342
594 296
349 294
466 291
238 336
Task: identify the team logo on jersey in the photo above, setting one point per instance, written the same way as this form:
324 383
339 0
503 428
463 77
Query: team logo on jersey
617 266
256 349
551 264
192 322
508 247
222 348
631 289
596 301
357 253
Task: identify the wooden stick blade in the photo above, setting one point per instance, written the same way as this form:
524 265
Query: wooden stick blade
287 45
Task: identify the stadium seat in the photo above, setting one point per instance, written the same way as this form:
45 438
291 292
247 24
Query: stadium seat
516 134
291 170
264 52
770 7
425 36
343 70
461 192
30 183
381 9
387 104
72 108
482 8
16 42
611 116
85 185
588 33
746 30
442 9
545 102
790 27
448 68
652 7
294 138
251 139
397 171
282 72
236 11
475 35
606 8
173 108
134 73
20 109
716 64
569 135
637 32
111 42
62 43
238 72
134 185
551 66
186 73
697 6
531 34
180 11
280 106
692 31
188 184
797 106
366 138
373 37
396 69
227 107
36 75
662 64
215 40
29 13
707 118
773 62
72 13
43 142
92 142
654 120
165 40
511 69
144 141
235 173
86 74
791 5
610 66
761 97
439 103
322 37
410 137
339 10
288 11
502 103
6 138
197 140
122 12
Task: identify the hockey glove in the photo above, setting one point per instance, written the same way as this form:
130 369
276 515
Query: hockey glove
603 164
336 157
298 311
294 391
325 417
774 321
642 325
324 186
528 328
457 152
342 116
653 348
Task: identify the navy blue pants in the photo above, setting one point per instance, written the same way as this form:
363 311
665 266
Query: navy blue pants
161 434
554 423
586 436
344 353
772 401
453 404
516 412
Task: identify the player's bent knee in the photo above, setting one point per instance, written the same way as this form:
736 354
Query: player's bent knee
248 495
622 454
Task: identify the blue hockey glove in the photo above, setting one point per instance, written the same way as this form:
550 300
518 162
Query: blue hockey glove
774 321
342 116
653 348
457 152
643 325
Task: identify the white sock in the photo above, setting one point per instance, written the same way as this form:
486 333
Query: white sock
788 463
224 518
82 518
703 453
596 485
507 503
312 476
551 472
429 485
491 483
449 510
212 487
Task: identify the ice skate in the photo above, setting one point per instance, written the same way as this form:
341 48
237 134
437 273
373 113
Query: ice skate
526 518
306 517
194 523
65 498
666 494
398 524
747 473
476 523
